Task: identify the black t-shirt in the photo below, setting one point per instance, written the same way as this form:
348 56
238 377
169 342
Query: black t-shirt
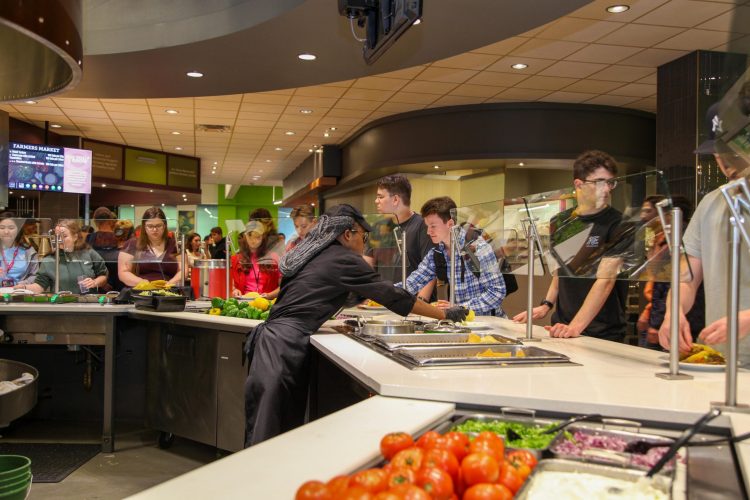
386 255
321 287
577 273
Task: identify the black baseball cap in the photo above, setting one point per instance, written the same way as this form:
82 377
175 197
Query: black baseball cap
713 122
346 210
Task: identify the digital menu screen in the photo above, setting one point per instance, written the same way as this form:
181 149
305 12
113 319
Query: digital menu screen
49 168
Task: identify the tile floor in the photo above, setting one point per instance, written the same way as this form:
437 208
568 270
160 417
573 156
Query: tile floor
137 464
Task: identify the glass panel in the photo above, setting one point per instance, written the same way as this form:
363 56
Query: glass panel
383 249
256 249
582 238
21 241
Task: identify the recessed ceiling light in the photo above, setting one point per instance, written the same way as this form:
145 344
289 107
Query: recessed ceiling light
22 196
216 163
174 132
418 21
333 128
520 164
194 74
268 161
132 205
306 111
307 57
288 132
178 148
55 125
310 150
313 204
436 166
150 190
617 9
319 150
213 171
29 102
171 111
519 66
278 149
104 185
326 134
162 204
10 192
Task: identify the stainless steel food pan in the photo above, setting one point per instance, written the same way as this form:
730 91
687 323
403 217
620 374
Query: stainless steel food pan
20 401
392 342
661 483
467 355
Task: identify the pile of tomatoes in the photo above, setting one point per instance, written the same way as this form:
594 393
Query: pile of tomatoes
438 467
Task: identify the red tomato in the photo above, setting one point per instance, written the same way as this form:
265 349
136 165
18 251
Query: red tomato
522 456
394 442
429 439
355 493
489 442
442 459
338 485
522 469
479 468
313 490
457 443
373 480
401 475
436 482
510 478
488 491
410 492
387 495
410 457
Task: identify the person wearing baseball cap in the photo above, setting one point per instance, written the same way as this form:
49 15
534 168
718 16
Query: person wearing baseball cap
319 276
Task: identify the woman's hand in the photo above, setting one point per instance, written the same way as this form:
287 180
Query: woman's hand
88 283
236 293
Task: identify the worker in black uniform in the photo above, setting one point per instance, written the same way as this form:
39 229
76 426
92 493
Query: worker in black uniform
318 276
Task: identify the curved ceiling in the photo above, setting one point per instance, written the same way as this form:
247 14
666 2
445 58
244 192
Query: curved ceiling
264 56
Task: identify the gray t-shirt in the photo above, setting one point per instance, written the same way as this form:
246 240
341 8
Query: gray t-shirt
707 237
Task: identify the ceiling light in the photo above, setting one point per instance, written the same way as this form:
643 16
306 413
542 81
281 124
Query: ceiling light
132 205
313 204
332 129
29 102
171 111
319 150
150 190
216 163
520 164
307 57
104 185
306 111
22 197
268 161
288 132
436 166
213 171
176 133
55 125
162 204
519 66
194 74
310 150
278 149
178 148
418 21
617 9
10 192
278 202
326 134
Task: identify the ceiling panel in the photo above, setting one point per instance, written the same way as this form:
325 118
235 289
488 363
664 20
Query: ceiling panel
684 13
579 30
448 75
476 90
546 82
572 69
640 35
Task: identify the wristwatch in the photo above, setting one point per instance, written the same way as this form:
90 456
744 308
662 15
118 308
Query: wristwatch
547 303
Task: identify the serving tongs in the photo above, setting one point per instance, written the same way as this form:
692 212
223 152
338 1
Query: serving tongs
682 440
595 417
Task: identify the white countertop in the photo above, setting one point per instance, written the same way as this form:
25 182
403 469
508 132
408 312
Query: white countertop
322 449
46 307
614 379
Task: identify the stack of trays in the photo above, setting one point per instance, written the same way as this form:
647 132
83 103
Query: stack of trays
15 477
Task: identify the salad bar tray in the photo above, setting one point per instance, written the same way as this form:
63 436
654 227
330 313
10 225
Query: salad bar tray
479 354
392 342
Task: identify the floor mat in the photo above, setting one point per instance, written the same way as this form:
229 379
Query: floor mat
52 462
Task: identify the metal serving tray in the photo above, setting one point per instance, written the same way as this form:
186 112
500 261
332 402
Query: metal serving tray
467 355
392 342
608 456
514 417
659 482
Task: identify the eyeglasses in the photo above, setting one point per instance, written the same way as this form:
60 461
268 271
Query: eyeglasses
611 183
154 227
365 234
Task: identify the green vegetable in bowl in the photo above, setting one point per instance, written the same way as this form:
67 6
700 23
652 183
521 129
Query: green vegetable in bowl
525 436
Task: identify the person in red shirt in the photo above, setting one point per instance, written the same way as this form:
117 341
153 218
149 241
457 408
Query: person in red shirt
254 268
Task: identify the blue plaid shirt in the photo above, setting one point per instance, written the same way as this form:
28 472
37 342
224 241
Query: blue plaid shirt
483 295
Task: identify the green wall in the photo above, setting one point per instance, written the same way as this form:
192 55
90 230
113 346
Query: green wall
247 199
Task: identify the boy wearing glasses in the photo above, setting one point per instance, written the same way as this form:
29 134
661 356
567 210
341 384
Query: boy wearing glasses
592 306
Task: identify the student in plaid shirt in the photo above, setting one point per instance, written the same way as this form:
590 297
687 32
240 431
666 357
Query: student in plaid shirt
480 288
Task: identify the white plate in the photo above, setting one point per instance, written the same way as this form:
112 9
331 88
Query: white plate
372 308
698 367
476 325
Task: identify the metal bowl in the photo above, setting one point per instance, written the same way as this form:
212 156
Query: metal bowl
20 401
385 327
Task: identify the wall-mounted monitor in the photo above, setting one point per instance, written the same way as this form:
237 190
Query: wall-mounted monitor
49 168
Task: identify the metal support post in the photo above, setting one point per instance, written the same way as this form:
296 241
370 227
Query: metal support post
228 247
532 237
674 239
453 257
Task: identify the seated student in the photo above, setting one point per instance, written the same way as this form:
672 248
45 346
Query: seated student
81 268
480 289
19 258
